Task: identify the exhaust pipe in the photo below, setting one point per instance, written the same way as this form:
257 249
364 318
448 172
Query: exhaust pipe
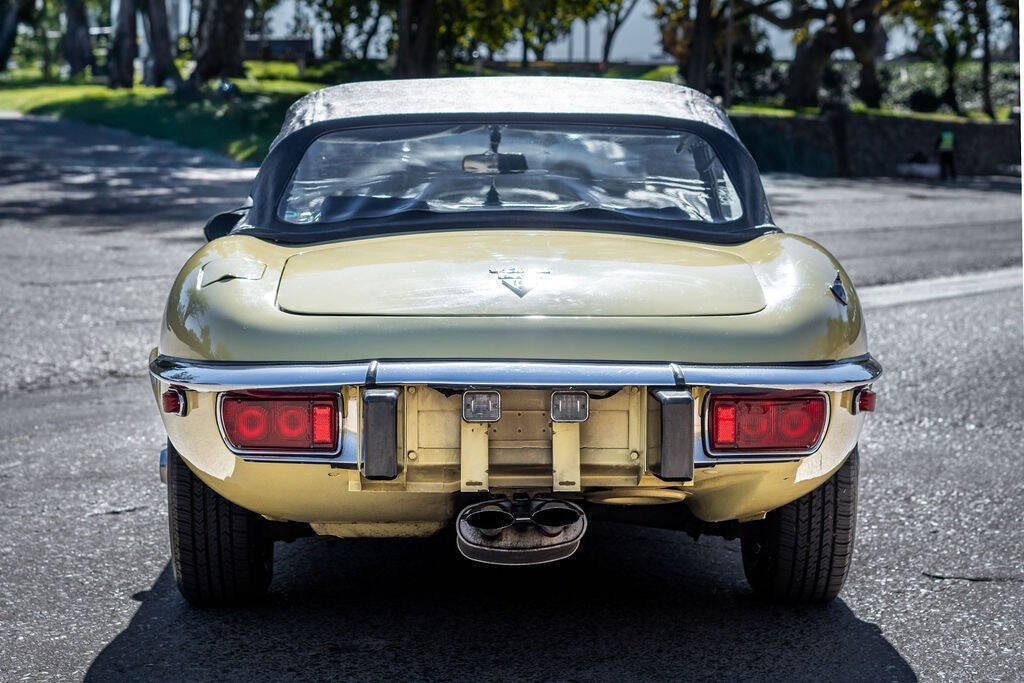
490 520
521 531
552 517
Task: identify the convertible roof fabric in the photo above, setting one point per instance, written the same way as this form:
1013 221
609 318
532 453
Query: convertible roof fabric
504 95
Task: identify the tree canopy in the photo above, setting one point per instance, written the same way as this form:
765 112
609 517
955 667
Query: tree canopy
720 46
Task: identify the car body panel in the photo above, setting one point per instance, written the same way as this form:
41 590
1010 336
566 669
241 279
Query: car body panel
239 319
517 273
420 498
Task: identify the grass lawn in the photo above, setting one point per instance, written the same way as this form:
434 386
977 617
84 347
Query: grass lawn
242 126
1002 113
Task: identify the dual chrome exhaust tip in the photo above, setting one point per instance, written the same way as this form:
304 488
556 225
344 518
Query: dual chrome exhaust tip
551 517
521 531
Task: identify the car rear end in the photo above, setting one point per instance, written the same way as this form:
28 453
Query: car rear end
393 448
516 325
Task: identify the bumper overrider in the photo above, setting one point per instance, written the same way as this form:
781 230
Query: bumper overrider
405 447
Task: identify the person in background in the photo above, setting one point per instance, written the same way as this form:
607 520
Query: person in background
946 146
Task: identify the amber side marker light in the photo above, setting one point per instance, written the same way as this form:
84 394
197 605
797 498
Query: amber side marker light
769 423
281 423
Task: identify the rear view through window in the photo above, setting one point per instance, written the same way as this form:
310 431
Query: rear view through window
443 168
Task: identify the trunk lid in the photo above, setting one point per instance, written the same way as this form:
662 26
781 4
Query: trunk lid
519 273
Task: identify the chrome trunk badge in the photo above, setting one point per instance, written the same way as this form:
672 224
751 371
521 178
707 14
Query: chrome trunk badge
519 280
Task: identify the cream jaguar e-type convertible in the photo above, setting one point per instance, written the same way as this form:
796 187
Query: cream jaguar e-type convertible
511 308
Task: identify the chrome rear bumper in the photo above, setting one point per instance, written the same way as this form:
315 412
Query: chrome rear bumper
195 375
661 380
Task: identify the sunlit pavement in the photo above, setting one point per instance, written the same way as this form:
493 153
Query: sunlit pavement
94 224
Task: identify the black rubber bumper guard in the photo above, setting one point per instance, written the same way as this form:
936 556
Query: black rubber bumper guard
676 435
380 433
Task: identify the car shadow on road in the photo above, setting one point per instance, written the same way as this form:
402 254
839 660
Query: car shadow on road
101 180
638 603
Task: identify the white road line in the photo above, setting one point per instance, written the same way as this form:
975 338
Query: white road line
933 289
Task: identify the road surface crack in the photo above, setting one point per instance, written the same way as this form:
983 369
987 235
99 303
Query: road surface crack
118 511
974 579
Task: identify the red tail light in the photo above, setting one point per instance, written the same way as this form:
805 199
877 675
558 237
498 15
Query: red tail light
279 422
766 423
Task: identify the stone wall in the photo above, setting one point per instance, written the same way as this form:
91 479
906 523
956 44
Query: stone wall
874 145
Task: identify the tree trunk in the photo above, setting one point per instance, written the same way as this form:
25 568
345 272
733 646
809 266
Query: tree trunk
865 51
869 88
451 58
123 47
526 44
609 36
160 62
984 25
808 67
730 37
189 37
950 59
615 21
254 22
417 38
221 40
9 29
700 48
47 55
75 44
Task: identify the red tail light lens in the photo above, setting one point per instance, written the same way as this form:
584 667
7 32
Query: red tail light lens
325 426
766 423
273 423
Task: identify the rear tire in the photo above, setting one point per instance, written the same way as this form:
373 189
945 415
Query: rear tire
218 552
802 552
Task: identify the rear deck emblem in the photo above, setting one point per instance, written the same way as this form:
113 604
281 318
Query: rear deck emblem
520 280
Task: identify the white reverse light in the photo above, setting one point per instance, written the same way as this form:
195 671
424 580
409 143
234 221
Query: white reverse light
570 406
481 406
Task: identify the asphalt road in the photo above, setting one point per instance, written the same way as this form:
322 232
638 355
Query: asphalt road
93 225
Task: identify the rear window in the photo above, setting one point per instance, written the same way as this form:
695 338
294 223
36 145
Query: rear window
441 169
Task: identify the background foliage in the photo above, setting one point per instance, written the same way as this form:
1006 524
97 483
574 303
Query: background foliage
961 58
